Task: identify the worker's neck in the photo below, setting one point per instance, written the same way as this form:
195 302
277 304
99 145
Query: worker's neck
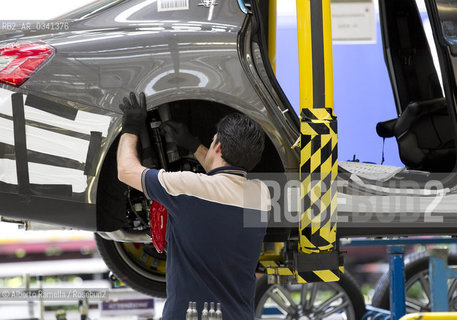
217 163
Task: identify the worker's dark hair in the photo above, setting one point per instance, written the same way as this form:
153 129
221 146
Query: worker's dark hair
242 140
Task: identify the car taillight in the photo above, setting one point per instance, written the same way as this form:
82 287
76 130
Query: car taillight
18 62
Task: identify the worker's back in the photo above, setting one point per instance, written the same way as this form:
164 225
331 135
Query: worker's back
212 253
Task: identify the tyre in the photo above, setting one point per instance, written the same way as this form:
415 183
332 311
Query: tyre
317 301
416 285
136 264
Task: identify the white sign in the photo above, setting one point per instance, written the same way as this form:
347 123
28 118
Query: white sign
353 22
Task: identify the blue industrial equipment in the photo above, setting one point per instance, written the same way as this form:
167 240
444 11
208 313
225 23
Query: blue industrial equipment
397 283
440 272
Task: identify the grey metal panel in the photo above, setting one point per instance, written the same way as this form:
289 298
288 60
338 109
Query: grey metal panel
66 213
172 55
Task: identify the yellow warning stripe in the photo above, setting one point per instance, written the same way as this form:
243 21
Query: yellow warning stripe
272 34
268 263
305 53
327 275
430 316
279 271
328 54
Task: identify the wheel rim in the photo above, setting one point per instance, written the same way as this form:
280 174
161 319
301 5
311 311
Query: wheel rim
317 301
139 257
418 293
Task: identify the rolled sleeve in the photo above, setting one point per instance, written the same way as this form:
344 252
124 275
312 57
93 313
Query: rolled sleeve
143 184
153 188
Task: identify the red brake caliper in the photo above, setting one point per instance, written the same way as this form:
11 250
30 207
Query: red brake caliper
158 217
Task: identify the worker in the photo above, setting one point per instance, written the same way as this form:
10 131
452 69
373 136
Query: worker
211 255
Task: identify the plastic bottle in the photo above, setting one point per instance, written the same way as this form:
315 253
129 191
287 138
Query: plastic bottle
212 312
194 311
189 313
205 315
218 312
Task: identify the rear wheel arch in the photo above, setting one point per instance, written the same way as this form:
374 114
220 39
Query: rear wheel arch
111 192
201 116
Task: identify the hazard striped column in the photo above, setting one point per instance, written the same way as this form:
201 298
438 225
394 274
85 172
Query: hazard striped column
318 145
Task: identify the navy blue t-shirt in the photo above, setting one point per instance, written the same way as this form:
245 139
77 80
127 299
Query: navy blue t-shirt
211 253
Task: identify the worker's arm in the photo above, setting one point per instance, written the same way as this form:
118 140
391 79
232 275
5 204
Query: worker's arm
200 154
185 139
129 168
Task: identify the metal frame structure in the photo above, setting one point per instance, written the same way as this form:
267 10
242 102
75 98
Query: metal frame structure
317 242
318 136
316 257
440 272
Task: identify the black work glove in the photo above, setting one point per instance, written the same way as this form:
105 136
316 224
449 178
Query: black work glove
180 134
135 113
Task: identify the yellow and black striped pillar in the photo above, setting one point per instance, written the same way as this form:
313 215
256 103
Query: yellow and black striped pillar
318 144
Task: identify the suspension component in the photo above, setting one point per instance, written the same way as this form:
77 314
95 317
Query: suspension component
157 139
170 144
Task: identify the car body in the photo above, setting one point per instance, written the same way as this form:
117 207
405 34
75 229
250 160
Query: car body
60 124
196 61
172 56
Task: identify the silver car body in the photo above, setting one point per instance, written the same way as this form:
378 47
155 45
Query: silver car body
202 51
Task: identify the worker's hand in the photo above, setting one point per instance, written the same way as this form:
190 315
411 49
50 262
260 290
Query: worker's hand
135 113
180 134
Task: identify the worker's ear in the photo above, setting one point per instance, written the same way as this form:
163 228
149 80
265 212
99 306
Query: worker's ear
218 147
